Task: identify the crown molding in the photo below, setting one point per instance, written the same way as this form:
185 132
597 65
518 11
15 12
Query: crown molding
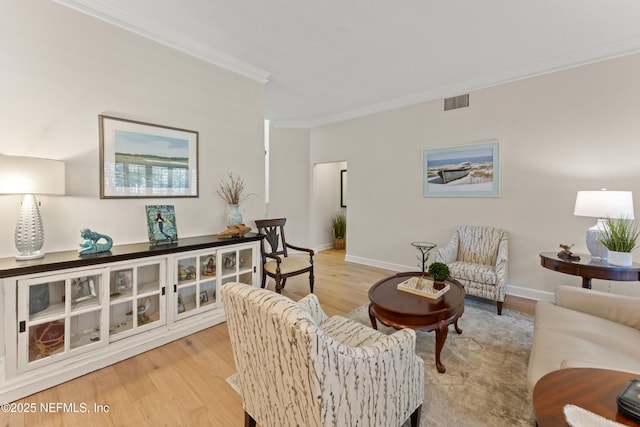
579 59
132 23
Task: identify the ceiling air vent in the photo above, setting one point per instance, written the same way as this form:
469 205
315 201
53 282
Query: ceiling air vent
460 101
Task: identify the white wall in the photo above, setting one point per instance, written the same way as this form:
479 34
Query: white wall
290 183
572 130
61 69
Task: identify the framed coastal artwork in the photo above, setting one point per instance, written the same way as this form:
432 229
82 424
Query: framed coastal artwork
468 170
161 223
143 160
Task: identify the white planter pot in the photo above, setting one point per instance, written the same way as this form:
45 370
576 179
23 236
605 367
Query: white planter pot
620 258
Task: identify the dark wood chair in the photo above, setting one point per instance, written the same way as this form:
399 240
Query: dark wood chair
276 261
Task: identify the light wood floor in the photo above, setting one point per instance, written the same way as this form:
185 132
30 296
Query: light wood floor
183 383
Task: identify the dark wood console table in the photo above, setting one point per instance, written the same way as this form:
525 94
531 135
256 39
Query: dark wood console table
53 261
589 268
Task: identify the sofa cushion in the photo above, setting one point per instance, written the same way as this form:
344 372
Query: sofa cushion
566 338
481 273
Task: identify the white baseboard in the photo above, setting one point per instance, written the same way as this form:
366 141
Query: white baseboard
323 247
529 293
379 264
517 291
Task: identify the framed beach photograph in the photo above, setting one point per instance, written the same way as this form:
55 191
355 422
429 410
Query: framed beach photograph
469 170
161 223
144 160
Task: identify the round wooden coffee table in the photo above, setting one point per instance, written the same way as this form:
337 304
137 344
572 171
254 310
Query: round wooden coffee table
592 389
399 309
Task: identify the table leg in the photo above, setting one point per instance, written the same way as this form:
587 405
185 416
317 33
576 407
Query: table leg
372 318
441 336
458 330
586 282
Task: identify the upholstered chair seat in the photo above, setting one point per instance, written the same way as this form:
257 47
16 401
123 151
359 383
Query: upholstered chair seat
288 265
277 262
477 257
298 367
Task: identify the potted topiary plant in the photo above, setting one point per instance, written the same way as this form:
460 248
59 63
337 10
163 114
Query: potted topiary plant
438 271
620 237
339 229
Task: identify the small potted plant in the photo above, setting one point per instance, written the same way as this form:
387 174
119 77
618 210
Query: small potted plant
620 237
439 271
339 228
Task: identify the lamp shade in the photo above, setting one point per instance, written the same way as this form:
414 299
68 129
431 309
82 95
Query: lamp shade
31 175
604 203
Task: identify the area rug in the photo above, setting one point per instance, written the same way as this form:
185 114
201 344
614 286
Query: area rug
486 379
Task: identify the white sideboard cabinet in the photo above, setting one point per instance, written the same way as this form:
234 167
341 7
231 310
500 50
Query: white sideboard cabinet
66 315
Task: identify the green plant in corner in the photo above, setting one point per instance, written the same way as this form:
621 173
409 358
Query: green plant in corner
620 234
439 271
339 225
339 229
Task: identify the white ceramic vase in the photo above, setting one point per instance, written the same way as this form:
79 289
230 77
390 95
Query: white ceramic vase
622 259
234 217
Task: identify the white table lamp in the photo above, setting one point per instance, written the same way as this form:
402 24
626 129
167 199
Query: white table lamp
29 176
602 204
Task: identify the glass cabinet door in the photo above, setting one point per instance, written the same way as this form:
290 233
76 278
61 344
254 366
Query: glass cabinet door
60 315
195 283
136 298
238 265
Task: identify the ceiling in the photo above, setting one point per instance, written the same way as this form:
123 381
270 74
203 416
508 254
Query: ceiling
330 60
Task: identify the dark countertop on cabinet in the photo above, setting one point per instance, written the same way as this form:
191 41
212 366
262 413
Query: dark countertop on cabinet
52 261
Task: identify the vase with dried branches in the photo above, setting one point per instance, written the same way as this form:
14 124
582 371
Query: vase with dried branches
233 192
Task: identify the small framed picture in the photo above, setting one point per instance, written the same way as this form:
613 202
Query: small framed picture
124 281
203 297
82 289
161 223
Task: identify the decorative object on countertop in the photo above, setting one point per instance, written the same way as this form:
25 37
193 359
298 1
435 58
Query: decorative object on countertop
91 243
233 192
238 230
566 253
601 204
339 229
161 223
29 176
439 271
620 237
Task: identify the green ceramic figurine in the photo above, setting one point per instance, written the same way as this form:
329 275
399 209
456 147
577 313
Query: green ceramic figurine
91 245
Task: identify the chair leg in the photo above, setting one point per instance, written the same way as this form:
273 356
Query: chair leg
264 280
415 417
499 304
279 284
311 280
248 420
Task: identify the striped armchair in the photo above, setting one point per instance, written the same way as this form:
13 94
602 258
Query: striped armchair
477 257
299 368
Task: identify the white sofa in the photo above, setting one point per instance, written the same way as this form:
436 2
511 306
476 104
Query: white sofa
585 328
